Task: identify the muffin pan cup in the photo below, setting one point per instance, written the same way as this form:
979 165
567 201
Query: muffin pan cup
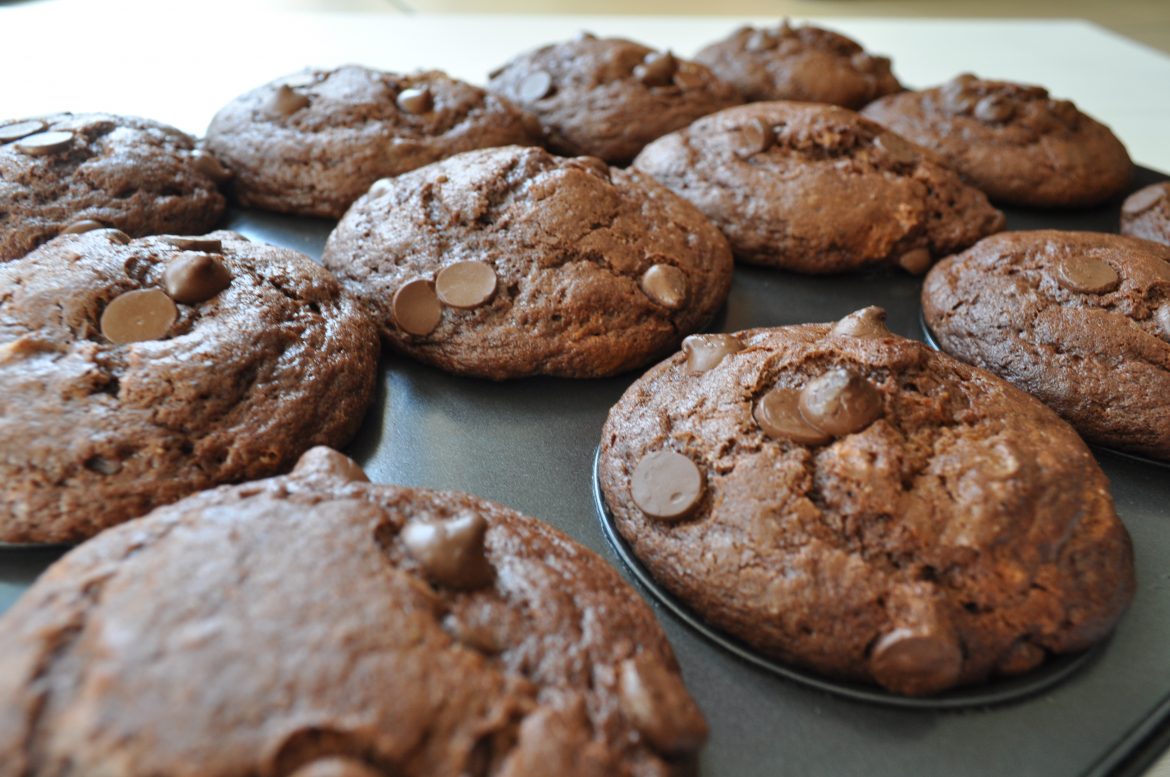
530 444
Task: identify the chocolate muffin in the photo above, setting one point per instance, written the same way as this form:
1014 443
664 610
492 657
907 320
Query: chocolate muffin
1080 320
511 262
819 189
73 172
133 373
316 625
851 502
311 143
806 63
609 97
1146 213
1015 142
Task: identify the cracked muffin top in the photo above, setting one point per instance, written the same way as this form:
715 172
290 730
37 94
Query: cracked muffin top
609 97
819 189
804 63
1015 142
1146 213
311 143
857 504
510 262
73 172
316 625
133 373
1081 320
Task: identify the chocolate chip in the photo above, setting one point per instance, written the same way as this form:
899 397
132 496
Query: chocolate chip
321 461
657 704
666 285
20 129
103 466
300 80
705 352
916 261
535 86
465 284
688 77
82 225
415 101
586 35
1143 199
590 164
145 314
994 109
207 244
1162 317
1086 275
451 552
1022 656
956 94
778 414
286 102
840 402
867 322
656 68
210 166
899 151
381 186
753 138
916 661
760 40
45 143
117 236
336 766
416 308
865 63
666 485
193 277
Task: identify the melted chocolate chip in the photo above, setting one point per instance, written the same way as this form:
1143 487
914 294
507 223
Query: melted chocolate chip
666 285
867 322
666 485
416 307
145 314
778 414
415 101
451 552
193 277
1086 275
536 86
705 352
840 402
465 284
655 701
916 662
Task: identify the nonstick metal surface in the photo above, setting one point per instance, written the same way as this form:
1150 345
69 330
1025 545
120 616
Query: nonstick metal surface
530 444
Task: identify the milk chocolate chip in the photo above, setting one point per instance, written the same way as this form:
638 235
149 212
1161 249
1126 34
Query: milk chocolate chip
416 308
336 766
993 109
451 552
666 285
704 352
656 69
20 129
656 702
145 314
916 662
1022 656
840 402
45 143
465 284
1162 317
915 261
778 414
755 137
207 244
321 461
867 322
82 225
898 150
117 236
415 101
287 101
193 277
761 40
1086 275
210 166
535 86
1143 199
666 485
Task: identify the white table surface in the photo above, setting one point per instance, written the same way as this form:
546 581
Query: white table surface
120 56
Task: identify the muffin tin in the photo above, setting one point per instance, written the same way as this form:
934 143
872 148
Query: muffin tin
530 444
